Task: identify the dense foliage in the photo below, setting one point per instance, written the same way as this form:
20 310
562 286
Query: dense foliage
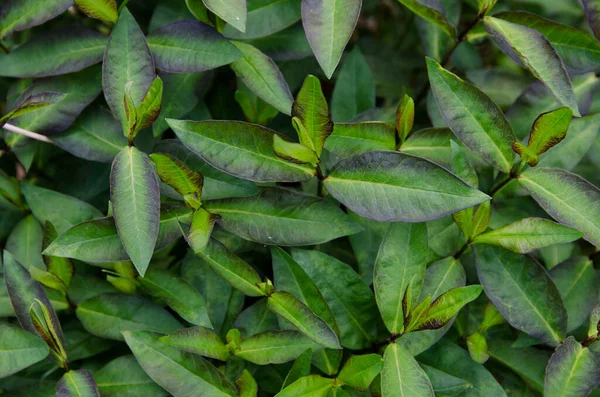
299 198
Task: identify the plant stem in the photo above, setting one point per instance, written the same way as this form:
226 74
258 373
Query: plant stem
123 5
462 250
320 178
27 133
461 37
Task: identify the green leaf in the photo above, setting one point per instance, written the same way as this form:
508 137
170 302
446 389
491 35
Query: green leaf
60 267
311 109
391 186
126 58
452 360
432 11
432 144
478 348
17 16
33 103
123 376
181 374
266 18
534 51
290 277
107 315
59 209
350 299
359 371
405 117
104 10
308 386
365 245
244 150
198 340
400 265
582 132
294 152
592 10
567 197
548 130
98 240
477 121
25 243
78 383
446 306
148 110
135 198
19 349
217 184
530 363
232 268
351 139
201 228
246 385
94 136
529 234
282 217
354 90
262 76
274 347
523 292
178 294
176 49
231 11
302 318
401 374
300 368
178 175
579 51
23 292
445 385
328 27
572 371
578 286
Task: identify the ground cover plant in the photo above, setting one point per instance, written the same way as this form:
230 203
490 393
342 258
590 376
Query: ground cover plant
299 198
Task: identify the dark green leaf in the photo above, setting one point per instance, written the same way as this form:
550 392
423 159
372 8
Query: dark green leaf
359 371
265 18
18 15
78 383
432 11
198 340
19 349
572 371
391 186
401 374
351 139
354 90
123 376
275 347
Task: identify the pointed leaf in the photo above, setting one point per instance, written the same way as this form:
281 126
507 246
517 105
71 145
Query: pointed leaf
567 197
32 103
329 26
275 347
135 197
400 264
98 240
391 186
78 383
405 117
302 318
181 374
262 76
188 46
198 340
105 10
232 268
523 292
402 376
300 368
572 371
350 299
107 315
282 217
477 121
246 385
529 234
178 294
178 175
308 386
354 91
203 223
16 16
432 11
294 152
19 349
359 371
244 150
351 139
266 18
534 51
123 376
445 385
231 11
126 58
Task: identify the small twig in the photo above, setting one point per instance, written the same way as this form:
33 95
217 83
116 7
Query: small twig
462 250
27 133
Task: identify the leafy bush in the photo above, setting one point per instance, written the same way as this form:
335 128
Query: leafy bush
299 198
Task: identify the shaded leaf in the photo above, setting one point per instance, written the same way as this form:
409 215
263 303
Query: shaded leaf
198 340
123 376
359 371
17 15
432 11
354 90
274 347
78 383
572 371
351 139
